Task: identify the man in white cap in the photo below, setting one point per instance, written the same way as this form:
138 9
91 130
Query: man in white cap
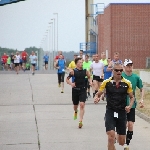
136 82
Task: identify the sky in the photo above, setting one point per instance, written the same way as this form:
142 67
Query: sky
24 24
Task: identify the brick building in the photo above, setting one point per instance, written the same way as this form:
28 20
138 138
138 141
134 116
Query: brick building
125 28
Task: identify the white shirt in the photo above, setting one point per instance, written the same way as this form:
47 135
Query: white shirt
17 59
33 59
97 68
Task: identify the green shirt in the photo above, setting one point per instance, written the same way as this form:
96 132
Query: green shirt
136 82
8 60
87 65
104 62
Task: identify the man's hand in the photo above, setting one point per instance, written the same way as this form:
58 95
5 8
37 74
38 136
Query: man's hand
96 99
127 108
73 85
141 103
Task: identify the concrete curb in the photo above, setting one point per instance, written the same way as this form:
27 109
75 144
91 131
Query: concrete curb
143 116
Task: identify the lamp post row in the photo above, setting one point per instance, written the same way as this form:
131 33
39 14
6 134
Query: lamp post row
51 40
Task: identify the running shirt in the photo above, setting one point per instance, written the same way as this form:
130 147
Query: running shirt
61 65
46 58
4 57
116 95
17 59
12 58
87 65
104 62
107 74
72 65
136 82
79 78
8 60
24 55
97 68
33 59
57 57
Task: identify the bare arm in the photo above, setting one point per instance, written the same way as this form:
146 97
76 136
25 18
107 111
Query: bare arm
127 108
68 79
89 77
142 97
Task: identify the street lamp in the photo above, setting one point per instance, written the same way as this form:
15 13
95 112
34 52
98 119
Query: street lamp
52 45
57 30
54 35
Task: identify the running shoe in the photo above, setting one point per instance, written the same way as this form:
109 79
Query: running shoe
59 85
75 115
80 124
126 147
62 91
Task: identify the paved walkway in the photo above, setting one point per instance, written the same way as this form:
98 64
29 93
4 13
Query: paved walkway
34 115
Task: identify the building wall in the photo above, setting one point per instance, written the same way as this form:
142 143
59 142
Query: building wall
128 32
100 33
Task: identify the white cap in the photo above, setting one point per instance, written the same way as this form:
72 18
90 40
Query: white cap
127 61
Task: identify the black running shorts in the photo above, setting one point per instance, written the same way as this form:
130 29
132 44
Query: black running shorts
120 123
131 115
16 64
78 95
97 78
46 62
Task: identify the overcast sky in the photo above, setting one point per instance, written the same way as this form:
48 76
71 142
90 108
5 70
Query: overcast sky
24 24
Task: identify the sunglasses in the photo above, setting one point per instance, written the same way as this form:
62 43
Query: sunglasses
129 64
117 70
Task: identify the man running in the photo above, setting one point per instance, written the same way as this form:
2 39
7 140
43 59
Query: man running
60 65
46 59
72 64
136 82
33 60
8 62
103 59
78 88
5 57
117 89
24 55
12 61
16 62
81 55
115 60
98 70
87 65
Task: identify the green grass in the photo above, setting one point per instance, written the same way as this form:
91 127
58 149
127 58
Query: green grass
146 109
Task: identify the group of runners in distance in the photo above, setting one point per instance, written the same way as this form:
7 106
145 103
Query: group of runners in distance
18 61
113 80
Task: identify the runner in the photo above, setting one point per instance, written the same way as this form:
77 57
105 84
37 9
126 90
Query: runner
117 89
81 55
8 62
78 88
136 82
20 64
24 55
60 65
103 59
98 70
12 61
17 61
72 64
115 60
4 57
93 87
46 59
87 65
33 60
